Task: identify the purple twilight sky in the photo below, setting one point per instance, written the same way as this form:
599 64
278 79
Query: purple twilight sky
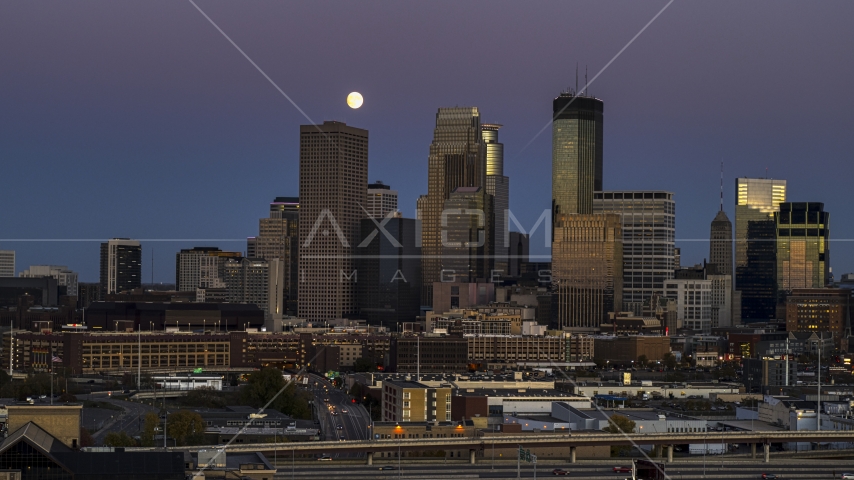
139 119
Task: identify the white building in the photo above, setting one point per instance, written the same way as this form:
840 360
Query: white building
693 302
64 277
381 200
7 263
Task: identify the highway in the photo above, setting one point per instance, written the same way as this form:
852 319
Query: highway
591 470
353 419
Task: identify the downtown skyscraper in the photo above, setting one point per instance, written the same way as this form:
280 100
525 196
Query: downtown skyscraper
278 237
803 247
756 202
333 182
649 239
121 266
587 251
576 153
497 185
457 159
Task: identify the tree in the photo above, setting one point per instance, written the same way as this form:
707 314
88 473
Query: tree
264 385
364 365
669 360
620 424
86 439
186 427
121 439
642 360
149 428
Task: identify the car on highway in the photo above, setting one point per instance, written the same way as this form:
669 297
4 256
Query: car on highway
344 411
388 467
325 458
847 476
622 469
770 476
559 471
339 427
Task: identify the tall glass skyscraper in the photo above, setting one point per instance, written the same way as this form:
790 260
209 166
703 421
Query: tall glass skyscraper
757 200
457 159
803 253
649 229
576 153
498 186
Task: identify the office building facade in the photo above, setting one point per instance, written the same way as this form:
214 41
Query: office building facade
257 281
200 267
64 277
819 310
457 159
757 200
278 237
693 302
388 291
803 247
333 188
121 265
649 229
7 263
382 200
587 259
467 241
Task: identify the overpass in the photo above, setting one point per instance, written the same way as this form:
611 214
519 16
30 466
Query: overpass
570 441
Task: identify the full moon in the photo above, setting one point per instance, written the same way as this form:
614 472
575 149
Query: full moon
354 100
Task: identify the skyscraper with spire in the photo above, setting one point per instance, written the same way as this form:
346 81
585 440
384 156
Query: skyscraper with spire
457 159
720 241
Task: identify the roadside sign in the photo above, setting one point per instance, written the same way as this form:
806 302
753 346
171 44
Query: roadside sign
534 459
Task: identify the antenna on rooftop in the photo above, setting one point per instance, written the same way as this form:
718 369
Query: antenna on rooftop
585 79
576 79
722 185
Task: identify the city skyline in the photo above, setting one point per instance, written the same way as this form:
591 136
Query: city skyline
170 141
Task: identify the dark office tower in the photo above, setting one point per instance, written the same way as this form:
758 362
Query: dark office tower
519 253
720 244
467 236
803 248
756 202
498 186
333 178
121 266
457 159
389 266
576 153
757 278
649 226
278 237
